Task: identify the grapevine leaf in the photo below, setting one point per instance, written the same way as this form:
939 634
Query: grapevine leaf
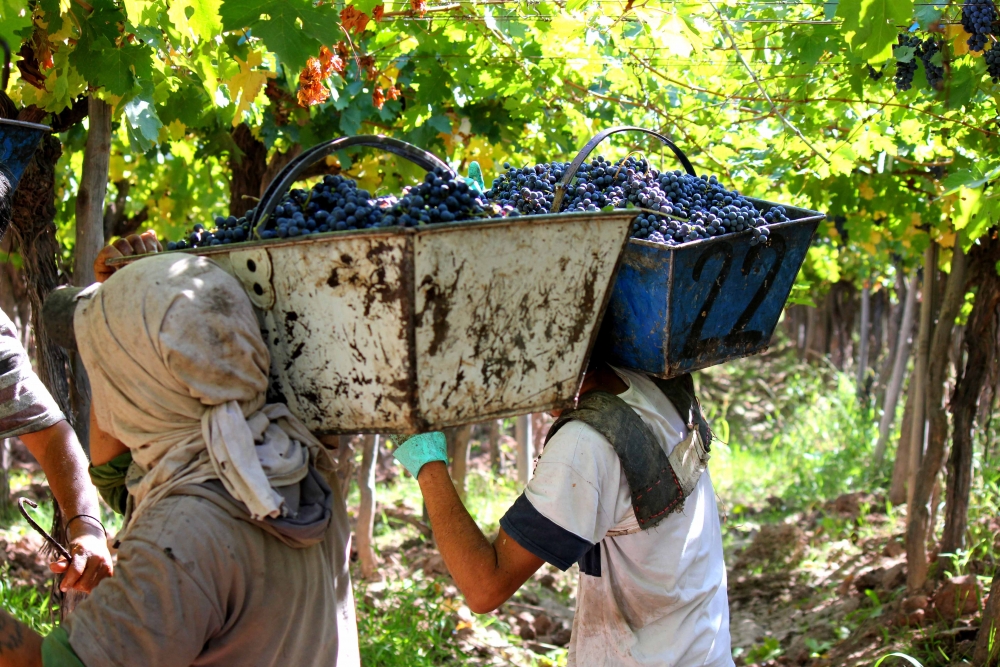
141 122
200 17
904 54
16 18
929 12
247 83
294 29
366 6
113 67
875 29
135 8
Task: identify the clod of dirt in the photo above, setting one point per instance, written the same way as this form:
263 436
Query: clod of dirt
893 549
958 596
915 602
548 581
543 624
776 547
849 504
562 636
894 577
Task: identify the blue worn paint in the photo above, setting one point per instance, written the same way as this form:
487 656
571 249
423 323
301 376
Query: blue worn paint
676 309
18 141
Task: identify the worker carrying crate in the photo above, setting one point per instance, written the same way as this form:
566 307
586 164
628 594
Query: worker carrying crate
621 487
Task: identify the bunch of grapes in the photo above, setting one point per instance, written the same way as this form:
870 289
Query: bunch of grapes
875 74
439 198
527 191
978 17
227 230
336 204
935 73
906 70
992 58
679 207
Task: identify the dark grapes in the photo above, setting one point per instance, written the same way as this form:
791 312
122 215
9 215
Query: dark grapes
875 74
935 73
992 58
680 207
906 70
978 17
336 204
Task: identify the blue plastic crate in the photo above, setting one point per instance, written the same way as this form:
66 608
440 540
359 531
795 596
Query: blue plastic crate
18 141
676 309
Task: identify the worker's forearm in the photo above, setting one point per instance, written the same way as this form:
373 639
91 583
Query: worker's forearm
20 646
470 557
61 457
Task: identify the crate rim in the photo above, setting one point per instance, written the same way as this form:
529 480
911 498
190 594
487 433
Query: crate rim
815 216
433 228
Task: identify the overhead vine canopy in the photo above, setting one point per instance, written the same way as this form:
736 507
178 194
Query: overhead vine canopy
875 111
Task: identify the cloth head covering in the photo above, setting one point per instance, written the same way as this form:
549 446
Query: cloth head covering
178 372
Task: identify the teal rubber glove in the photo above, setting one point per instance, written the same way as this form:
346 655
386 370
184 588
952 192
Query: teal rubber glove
475 178
413 451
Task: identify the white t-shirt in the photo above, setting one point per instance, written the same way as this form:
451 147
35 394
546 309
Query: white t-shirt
660 598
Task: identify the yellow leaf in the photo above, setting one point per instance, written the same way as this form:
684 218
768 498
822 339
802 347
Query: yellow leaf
674 35
947 240
866 191
915 219
176 129
116 168
247 84
165 205
959 38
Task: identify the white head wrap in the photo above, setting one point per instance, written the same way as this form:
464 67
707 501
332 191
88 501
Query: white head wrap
178 372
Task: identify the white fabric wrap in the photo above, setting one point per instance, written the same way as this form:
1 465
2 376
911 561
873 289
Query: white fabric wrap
178 371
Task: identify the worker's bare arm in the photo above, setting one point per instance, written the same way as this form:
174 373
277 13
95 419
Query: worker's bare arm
487 574
61 457
20 646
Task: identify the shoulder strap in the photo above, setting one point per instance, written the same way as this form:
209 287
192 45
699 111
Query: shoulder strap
655 489
680 391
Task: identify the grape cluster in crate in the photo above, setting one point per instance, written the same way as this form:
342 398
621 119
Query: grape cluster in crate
673 207
677 207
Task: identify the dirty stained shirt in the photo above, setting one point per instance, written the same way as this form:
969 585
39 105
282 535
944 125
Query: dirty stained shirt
26 405
661 596
195 586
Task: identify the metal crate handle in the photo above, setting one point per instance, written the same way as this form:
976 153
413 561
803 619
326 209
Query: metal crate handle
585 152
294 169
5 76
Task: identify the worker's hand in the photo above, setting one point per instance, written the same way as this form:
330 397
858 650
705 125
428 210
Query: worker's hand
413 451
91 558
134 244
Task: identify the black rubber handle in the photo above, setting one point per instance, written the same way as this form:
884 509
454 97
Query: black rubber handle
5 77
585 152
294 169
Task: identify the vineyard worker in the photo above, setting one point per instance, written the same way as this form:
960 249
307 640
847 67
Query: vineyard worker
28 411
236 547
652 587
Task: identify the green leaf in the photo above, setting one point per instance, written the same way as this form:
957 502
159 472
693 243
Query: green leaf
928 12
293 31
903 54
201 17
872 31
366 6
142 123
440 123
16 17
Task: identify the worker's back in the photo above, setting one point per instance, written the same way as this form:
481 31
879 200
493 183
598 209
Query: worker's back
195 585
